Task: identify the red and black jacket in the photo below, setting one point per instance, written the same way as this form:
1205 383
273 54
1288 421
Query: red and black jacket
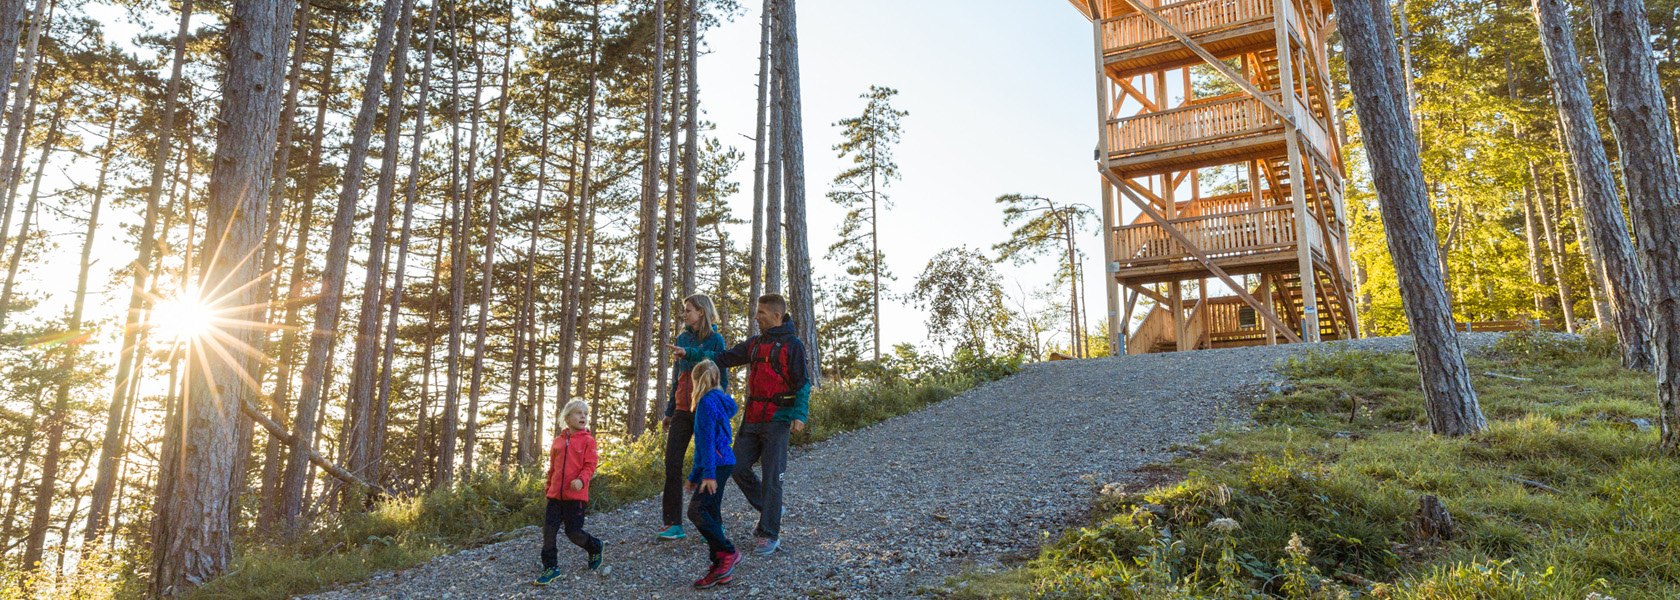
776 374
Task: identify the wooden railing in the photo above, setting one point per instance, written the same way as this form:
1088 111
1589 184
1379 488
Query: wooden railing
1217 235
1200 122
1191 17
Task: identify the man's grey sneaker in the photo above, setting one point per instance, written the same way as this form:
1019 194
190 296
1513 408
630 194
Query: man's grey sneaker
767 546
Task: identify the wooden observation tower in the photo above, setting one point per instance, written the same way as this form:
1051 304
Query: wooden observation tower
1218 139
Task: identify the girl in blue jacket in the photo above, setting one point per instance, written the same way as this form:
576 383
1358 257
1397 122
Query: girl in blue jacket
700 336
714 460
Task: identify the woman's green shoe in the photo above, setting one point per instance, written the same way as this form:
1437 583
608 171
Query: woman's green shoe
548 575
675 532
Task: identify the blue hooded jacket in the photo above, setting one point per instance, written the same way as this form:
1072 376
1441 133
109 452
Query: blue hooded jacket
712 438
698 350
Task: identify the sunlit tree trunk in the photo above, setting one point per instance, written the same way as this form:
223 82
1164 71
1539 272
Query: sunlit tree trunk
365 412
487 272
330 301
273 510
755 264
111 446
68 360
195 542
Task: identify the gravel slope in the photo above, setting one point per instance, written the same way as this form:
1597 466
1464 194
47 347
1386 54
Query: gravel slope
891 510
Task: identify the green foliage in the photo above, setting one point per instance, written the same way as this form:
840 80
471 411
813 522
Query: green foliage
963 295
1563 495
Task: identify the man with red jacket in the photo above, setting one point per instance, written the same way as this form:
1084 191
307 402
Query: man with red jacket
778 404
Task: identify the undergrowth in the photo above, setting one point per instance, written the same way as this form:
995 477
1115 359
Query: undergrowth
1563 497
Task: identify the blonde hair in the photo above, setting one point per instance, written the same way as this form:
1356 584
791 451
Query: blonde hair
571 407
705 378
708 312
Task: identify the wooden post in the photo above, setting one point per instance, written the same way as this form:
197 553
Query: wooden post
1297 194
1116 338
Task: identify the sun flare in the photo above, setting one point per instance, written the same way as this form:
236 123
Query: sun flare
183 318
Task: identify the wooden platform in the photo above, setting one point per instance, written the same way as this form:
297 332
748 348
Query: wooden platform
1241 242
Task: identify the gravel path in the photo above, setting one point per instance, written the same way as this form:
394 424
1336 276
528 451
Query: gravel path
891 510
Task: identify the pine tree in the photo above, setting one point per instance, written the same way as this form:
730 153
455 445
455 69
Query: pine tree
868 140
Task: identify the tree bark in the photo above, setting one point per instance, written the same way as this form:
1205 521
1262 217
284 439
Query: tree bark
364 410
12 154
642 346
53 134
328 305
462 199
273 510
1625 285
1373 70
487 273
411 190
774 264
67 364
1652 178
196 542
112 447
799 252
691 160
1550 223
755 265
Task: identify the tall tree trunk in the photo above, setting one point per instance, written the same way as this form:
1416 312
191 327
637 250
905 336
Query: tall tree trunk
364 410
586 196
112 447
411 190
462 199
12 154
793 152
774 224
647 307
524 347
1530 228
668 236
1373 70
67 364
273 510
691 160
487 274
1549 224
195 543
755 266
53 133
1625 285
1652 176
328 305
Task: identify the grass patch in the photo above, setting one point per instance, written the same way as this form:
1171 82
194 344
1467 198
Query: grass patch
1564 495
404 532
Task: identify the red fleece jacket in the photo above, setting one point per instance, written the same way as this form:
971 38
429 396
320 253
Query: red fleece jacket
571 457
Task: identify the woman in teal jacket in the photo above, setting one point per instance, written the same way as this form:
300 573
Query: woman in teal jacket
701 340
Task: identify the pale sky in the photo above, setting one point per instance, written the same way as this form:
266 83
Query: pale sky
1002 99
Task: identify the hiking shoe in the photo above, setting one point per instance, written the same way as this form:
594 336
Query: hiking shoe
548 575
767 546
674 532
722 571
596 557
726 562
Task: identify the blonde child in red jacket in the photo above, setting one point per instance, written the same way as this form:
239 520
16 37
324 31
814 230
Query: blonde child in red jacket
571 464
